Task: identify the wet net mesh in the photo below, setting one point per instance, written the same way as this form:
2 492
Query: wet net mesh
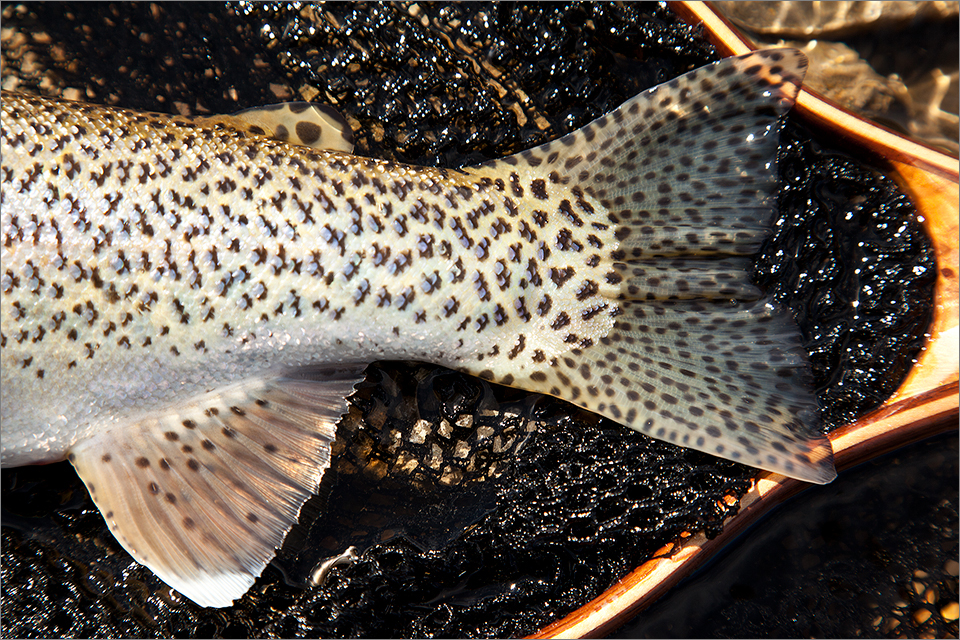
476 510
872 555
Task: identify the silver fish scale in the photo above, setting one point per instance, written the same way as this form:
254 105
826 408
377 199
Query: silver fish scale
174 257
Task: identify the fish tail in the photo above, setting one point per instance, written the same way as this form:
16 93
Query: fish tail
683 177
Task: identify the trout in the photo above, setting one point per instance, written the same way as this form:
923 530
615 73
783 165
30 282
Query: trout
188 302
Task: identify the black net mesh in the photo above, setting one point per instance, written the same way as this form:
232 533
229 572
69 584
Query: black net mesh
849 258
477 510
872 555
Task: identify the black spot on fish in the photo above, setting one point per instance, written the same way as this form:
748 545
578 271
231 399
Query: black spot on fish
539 189
308 132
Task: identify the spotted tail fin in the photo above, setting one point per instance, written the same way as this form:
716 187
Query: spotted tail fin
683 179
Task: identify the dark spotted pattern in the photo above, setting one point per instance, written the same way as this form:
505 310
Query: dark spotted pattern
240 486
304 123
155 261
230 243
682 177
200 242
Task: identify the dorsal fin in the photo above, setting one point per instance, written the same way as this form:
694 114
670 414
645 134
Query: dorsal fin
303 123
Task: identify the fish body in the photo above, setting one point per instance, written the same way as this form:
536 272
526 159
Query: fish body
195 263
188 302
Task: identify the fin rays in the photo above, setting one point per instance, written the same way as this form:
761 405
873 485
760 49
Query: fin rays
685 176
204 493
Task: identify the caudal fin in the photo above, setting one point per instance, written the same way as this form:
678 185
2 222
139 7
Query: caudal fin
684 178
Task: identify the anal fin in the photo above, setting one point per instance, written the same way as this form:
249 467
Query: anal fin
204 492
